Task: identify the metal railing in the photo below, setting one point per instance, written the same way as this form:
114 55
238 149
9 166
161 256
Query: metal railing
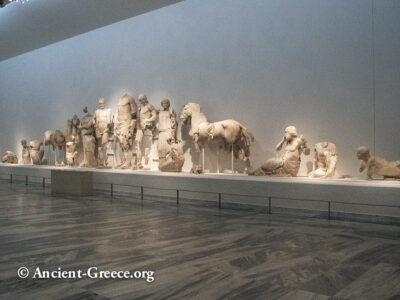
220 194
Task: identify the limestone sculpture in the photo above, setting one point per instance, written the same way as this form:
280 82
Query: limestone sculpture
230 133
146 124
103 119
288 164
125 128
9 158
166 126
26 157
325 161
377 166
88 140
36 152
71 153
174 159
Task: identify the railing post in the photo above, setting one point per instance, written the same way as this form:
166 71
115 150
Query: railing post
44 182
329 210
26 180
141 193
111 189
177 197
219 200
269 205
11 179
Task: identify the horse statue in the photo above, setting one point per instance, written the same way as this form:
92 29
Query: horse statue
230 133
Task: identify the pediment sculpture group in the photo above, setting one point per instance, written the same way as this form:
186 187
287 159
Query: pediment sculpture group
136 127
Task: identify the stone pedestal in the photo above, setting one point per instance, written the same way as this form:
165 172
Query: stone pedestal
72 182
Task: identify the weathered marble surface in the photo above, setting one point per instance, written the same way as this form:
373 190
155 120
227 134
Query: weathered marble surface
196 252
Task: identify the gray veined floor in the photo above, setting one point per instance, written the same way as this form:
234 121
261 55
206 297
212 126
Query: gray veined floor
196 253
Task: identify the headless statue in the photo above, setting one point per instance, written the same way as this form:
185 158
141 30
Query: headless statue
325 160
377 166
36 152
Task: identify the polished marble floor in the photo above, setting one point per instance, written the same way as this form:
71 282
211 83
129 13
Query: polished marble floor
196 252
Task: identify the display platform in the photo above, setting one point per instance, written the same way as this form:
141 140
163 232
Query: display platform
352 196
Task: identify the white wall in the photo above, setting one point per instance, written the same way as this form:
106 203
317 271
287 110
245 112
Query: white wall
329 67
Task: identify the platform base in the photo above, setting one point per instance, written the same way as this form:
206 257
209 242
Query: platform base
72 182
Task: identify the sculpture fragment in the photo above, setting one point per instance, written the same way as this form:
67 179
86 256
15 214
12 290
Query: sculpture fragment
377 166
325 161
36 152
88 140
166 126
174 159
26 157
9 158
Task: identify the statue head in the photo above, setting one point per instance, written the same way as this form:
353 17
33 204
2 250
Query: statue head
75 121
363 153
290 132
143 99
165 104
23 143
85 110
102 103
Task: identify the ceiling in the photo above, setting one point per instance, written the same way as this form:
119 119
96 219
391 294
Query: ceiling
37 23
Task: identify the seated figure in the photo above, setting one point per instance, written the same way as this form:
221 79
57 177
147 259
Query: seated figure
288 164
325 160
377 166
174 159
71 153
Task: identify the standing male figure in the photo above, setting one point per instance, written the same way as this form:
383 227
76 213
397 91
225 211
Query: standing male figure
125 128
103 119
166 130
147 117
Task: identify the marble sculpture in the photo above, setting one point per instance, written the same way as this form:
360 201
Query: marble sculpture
125 128
26 157
146 123
289 163
9 158
230 133
166 126
88 140
103 119
377 166
325 161
71 153
36 152
174 159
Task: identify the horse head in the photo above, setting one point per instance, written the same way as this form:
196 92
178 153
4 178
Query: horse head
187 110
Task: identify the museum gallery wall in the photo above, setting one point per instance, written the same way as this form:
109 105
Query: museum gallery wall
329 68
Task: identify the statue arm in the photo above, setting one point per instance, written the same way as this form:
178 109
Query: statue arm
363 165
153 115
331 163
280 144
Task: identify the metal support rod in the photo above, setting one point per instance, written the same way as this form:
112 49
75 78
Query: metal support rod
329 210
232 160
177 197
111 189
26 180
269 205
202 158
219 200
141 193
11 178
44 182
